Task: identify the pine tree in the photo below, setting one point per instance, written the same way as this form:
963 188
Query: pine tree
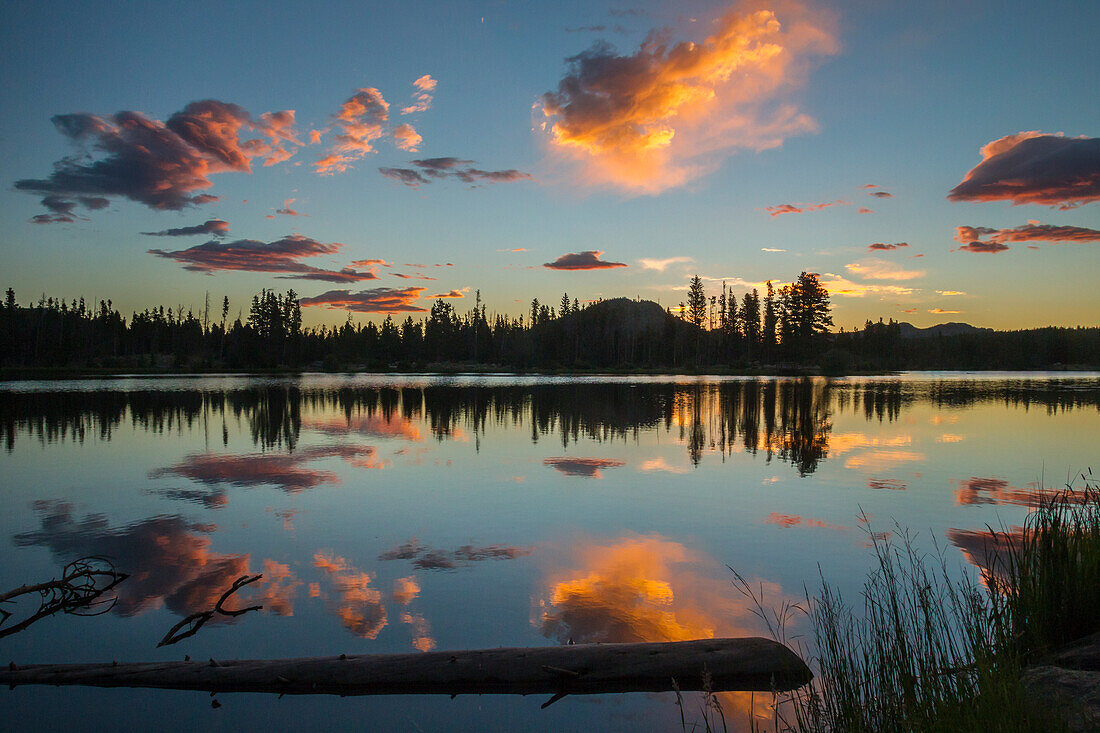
697 302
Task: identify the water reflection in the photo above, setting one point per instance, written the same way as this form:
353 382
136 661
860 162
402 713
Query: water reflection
790 420
425 557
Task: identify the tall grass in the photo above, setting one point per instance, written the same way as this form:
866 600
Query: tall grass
931 653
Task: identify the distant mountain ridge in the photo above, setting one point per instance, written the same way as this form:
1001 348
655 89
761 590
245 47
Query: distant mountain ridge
909 331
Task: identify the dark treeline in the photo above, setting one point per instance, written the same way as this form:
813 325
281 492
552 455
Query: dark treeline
788 419
784 329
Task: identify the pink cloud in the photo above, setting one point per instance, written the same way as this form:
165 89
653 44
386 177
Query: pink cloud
249 255
671 112
987 239
163 165
406 137
587 260
422 98
1035 168
376 300
883 247
774 211
212 227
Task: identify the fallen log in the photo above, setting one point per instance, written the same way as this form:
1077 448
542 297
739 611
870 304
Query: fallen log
581 669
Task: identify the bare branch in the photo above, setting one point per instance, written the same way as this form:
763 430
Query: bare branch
80 588
195 621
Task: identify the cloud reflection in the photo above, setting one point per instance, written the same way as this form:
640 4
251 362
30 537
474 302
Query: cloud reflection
582 467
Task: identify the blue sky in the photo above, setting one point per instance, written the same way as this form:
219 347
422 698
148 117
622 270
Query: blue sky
899 95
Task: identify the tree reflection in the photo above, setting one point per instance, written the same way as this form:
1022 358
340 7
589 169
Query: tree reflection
785 419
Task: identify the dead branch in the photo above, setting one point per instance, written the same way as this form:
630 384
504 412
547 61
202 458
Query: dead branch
195 621
78 591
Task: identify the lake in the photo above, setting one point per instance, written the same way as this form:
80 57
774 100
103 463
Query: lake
401 513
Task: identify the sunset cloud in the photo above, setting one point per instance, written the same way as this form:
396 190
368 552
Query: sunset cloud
213 227
1035 168
670 112
449 293
865 210
429 169
882 270
775 211
839 285
407 138
376 300
950 292
422 97
987 239
884 247
940 311
286 210
162 165
360 121
430 558
587 260
582 467
660 265
880 194
249 255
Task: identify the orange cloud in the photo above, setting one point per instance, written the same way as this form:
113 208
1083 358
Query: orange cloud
941 310
671 111
405 590
279 588
381 426
407 138
450 293
360 121
286 210
587 260
376 300
775 211
582 467
838 285
358 606
213 227
1035 168
882 270
795 520
422 98
865 210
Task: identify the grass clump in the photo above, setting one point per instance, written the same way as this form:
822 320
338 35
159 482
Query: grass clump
931 653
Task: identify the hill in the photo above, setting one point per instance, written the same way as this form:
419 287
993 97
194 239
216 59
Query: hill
909 331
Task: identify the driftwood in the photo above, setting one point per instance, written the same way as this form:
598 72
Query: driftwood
581 669
78 591
195 621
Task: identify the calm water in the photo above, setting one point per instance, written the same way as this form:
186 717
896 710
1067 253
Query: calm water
390 514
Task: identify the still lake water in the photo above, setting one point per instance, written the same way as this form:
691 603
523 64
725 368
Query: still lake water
391 514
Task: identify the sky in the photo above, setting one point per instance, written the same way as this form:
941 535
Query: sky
932 162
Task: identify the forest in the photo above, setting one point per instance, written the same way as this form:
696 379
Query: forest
784 330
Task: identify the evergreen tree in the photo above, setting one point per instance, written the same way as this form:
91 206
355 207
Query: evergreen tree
697 302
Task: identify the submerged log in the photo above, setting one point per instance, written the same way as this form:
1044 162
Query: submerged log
581 669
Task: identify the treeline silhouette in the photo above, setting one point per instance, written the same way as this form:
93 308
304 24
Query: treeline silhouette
785 330
786 419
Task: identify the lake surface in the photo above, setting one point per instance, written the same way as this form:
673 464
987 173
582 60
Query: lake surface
392 514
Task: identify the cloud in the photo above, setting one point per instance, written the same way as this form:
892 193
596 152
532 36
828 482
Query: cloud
358 606
169 559
360 121
370 263
429 169
671 112
286 210
422 97
406 137
660 464
865 210
1035 168
250 255
513 249
884 247
213 227
660 265
882 270
376 300
771 249
582 467
286 472
430 558
941 311
450 293
795 520
839 285
162 165
778 209
62 209
587 260
881 194
381 426
987 239
950 292
586 29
